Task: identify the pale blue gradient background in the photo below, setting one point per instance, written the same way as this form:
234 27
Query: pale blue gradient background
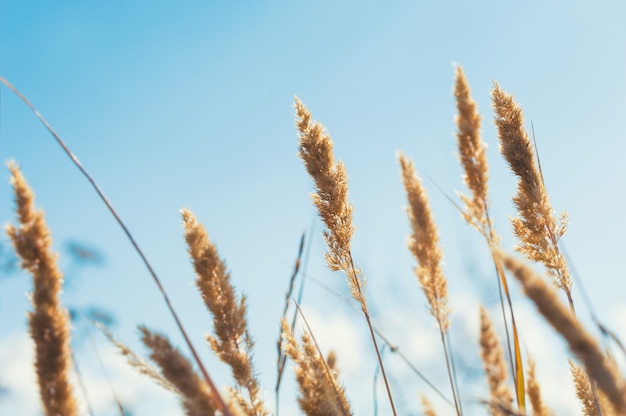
174 105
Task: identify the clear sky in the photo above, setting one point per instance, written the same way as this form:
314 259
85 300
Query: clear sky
190 104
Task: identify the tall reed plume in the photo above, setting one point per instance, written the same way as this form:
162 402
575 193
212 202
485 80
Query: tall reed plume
534 391
473 158
424 245
331 200
138 363
537 229
196 396
494 364
49 321
232 342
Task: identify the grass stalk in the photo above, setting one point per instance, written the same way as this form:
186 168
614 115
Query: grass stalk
536 227
424 245
49 321
232 342
494 362
320 392
195 395
282 357
534 391
331 200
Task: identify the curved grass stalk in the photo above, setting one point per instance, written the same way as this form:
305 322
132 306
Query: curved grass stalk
424 245
331 200
49 321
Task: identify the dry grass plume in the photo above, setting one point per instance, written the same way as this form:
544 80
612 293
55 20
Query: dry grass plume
424 245
494 363
534 391
582 344
537 229
195 395
232 342
320 391
473 158
331 200
49 321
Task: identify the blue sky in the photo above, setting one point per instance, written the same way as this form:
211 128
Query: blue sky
191 105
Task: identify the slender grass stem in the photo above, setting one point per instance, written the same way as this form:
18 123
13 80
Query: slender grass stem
392 347
372 334
457 405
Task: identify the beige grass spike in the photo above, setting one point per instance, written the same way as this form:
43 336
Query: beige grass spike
320 391
582 344
49 321
331 200
494 363
536 227
473 157
195 395
424 245
583 390
534 391
139 364
232 341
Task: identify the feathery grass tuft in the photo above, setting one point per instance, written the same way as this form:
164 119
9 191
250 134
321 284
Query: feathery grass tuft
534 391
320 391
424 245
49 321
138 363
582 344
473 157
331 200
537 228
583 390
232 343
494 363
196 396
